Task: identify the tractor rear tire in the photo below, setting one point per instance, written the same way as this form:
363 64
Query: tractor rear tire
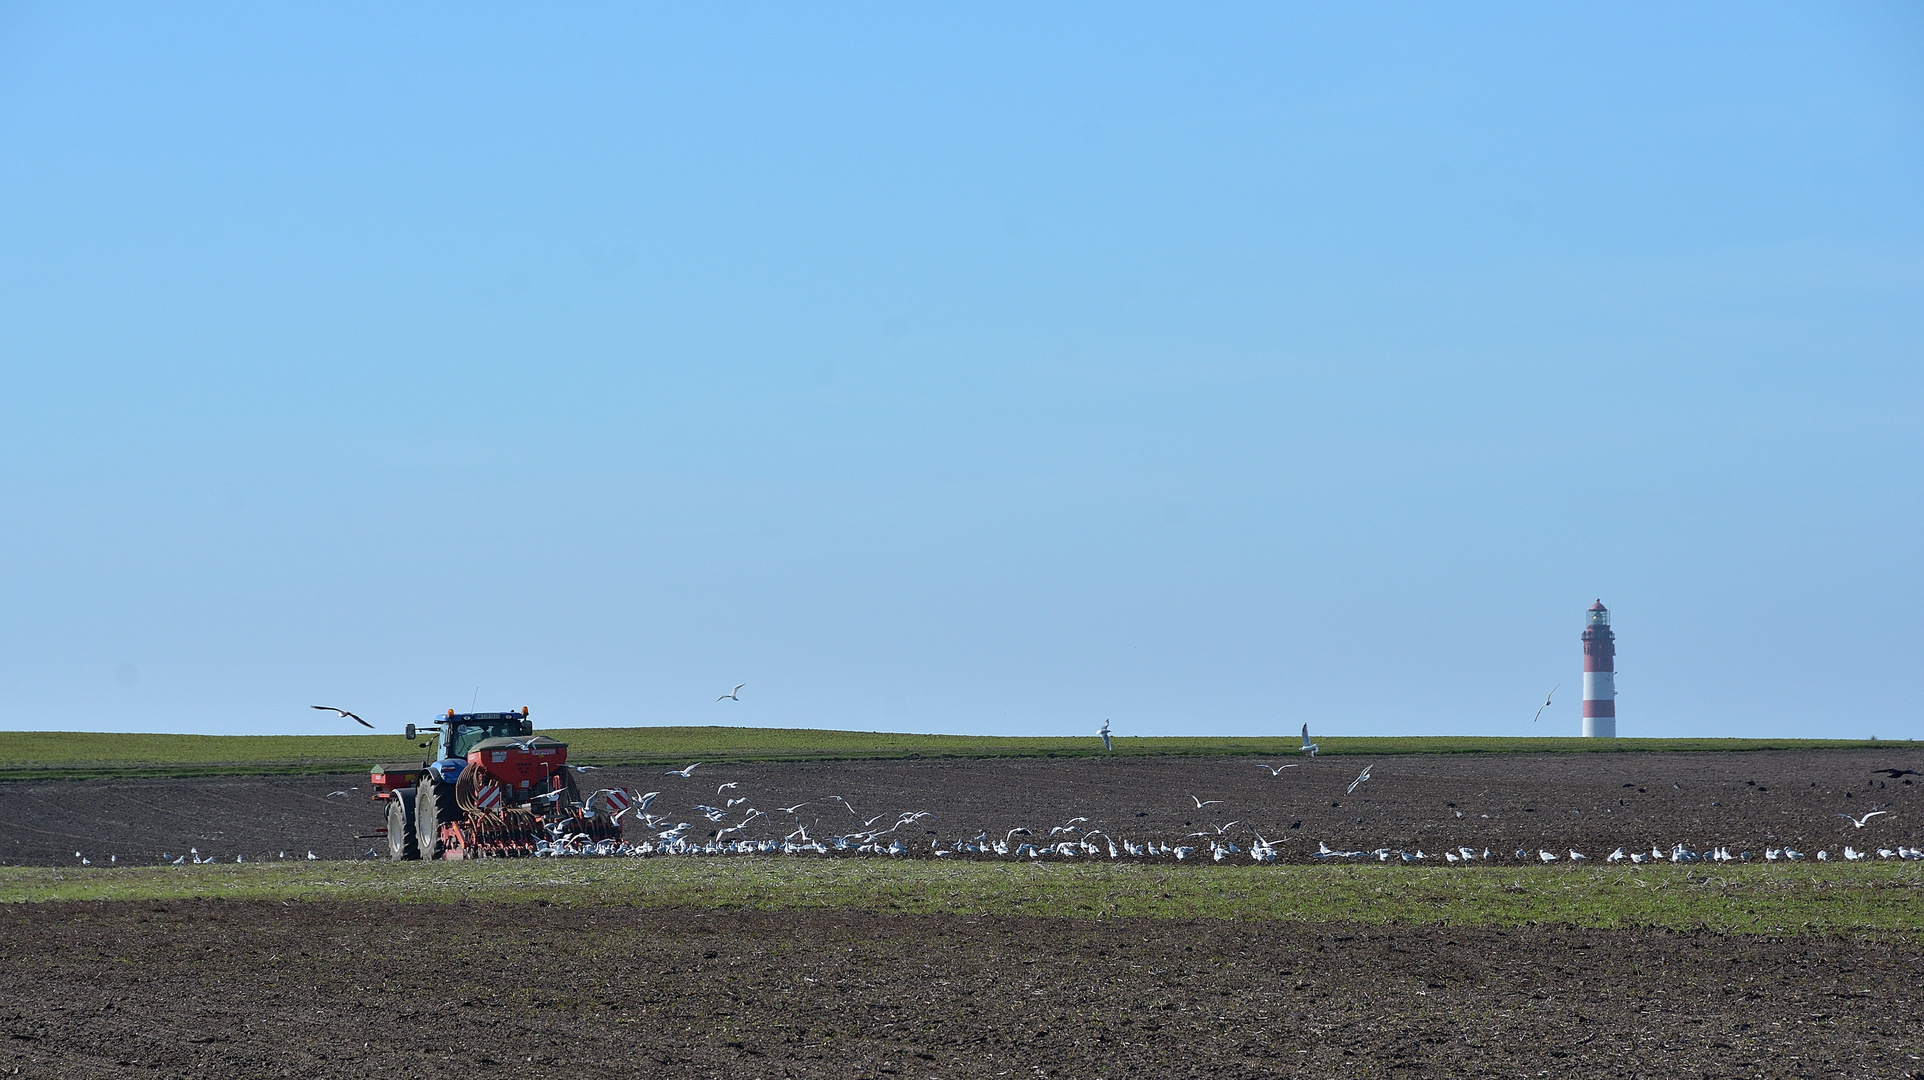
403 842
434 806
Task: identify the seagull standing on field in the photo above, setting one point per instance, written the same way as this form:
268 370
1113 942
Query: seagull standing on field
1546 702
733 695
343 712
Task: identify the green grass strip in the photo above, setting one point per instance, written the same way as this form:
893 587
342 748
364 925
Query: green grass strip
1880 900
73 755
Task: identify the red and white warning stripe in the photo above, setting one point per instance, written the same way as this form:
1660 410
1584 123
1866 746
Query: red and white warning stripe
610 801
489 797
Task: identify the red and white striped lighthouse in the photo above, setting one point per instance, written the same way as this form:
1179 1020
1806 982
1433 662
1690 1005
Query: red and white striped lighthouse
1599 675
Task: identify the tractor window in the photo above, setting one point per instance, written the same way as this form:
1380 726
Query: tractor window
466 735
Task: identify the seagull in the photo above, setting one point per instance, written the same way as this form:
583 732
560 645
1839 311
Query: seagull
584 768
845 804
684 773
733 695
1546 702
1308 747
338 794
790 809
343 712
1277 770
1200 803
1358 782
725 787
1859 821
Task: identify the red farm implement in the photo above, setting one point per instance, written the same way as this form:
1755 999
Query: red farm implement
495 789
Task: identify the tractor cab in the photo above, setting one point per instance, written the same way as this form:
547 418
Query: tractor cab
461 732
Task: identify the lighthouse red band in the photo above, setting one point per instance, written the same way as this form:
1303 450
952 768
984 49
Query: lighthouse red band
1599 675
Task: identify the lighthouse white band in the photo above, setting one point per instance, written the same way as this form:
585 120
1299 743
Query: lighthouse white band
1599 686
1599 727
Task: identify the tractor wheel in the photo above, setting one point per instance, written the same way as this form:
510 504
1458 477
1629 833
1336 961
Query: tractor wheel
403 843
434 806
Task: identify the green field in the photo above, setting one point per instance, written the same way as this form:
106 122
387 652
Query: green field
71 754
1882 900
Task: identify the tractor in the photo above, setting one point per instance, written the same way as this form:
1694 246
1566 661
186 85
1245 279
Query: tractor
493 789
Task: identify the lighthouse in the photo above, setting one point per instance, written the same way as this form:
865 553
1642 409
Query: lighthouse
1599 675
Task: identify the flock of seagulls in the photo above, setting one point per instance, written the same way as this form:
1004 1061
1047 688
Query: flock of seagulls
193 856
1677 853
894 834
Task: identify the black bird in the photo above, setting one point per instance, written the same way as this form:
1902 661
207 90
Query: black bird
343 712
1895 773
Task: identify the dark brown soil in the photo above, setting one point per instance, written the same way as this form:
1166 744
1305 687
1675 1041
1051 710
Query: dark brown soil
210 989
1591 802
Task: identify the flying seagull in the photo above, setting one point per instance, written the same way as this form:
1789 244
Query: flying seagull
1546 702
684 773
733 695
343 712
1358 782
1276 770
1200 803
1859 821
1308 747
338 794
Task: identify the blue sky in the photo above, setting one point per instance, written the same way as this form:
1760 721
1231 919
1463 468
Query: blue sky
989 369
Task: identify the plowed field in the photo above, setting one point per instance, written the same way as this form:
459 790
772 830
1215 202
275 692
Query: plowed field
190 989
1590 802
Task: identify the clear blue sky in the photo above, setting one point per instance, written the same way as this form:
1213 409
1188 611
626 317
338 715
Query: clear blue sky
962 368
